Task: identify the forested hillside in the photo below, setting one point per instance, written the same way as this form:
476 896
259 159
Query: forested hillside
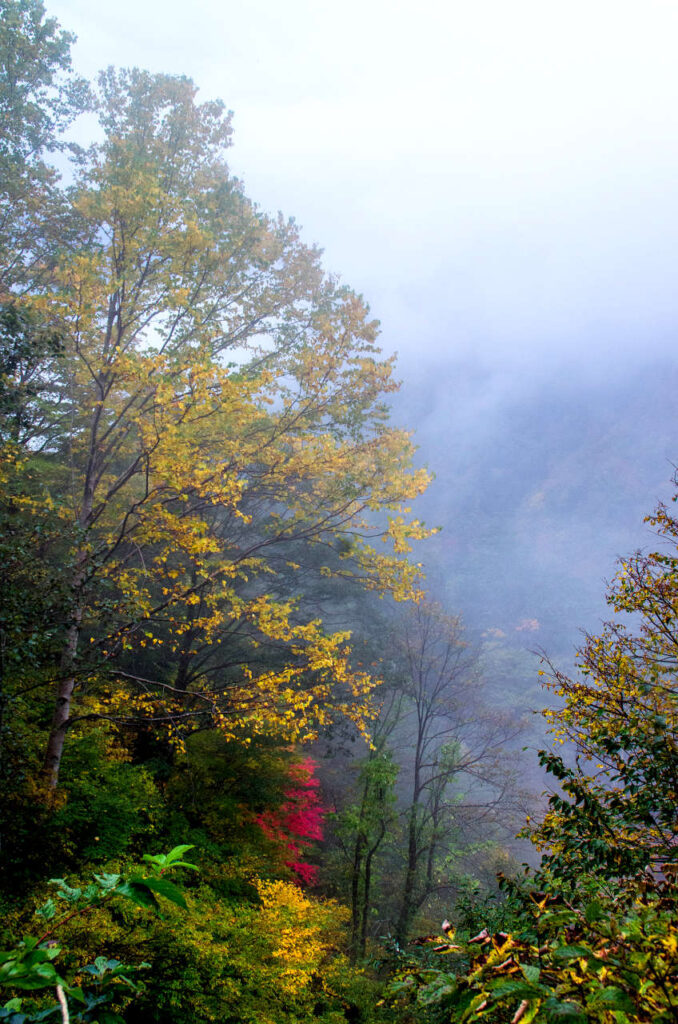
545 484
253 766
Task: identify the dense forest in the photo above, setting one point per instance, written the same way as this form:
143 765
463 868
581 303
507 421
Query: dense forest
254 766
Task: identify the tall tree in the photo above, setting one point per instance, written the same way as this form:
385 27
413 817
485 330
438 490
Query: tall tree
457 766
179 472
367 819
369 822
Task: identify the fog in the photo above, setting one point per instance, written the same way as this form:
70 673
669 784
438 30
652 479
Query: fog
499 181
495 178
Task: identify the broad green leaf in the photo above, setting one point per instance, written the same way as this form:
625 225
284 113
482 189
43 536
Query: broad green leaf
167 889
564 1012
614 998
513 989
531 972
178 851
573 952
65 891
47 910
107 881
138 893
594 912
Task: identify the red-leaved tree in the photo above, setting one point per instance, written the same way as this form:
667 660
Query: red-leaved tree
297 823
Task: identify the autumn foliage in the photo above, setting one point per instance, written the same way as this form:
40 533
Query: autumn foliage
617 812
297 823
207 428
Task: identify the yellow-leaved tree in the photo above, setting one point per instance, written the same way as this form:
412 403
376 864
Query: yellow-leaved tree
212 430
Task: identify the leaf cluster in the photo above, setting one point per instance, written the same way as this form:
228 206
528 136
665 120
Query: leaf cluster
605 962
95 989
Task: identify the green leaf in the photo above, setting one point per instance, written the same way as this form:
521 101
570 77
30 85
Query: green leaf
514 989
9 1016
107 882
435 993
138 893
167 889
613 998
566 1012
165 861
594 912
531 972
556 918
47 910
43 976
573 952
65 891
76 993
177 852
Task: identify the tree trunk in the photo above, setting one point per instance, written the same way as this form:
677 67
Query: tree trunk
356 869
62 709
410 881
404 918
367 884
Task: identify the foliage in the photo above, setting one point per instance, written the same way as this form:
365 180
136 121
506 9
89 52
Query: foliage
595 934
109 808
214 411
110 805
297 822
616 815
460 774
198 477
428 805
606 962
275 958
361 828
30 966
39 97
26 347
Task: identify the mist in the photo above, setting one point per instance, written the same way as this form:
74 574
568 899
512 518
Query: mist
495 180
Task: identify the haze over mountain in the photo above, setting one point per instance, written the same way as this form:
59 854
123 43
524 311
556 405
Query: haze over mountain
541 484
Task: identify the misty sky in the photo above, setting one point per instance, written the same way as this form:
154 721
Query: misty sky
494 177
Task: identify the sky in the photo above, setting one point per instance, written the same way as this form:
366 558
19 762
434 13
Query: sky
497 178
